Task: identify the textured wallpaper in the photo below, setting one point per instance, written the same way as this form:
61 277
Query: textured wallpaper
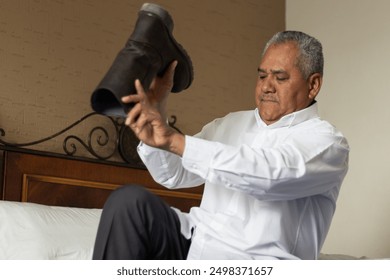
53 54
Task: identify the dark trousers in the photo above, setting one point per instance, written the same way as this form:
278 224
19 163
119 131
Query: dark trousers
136 224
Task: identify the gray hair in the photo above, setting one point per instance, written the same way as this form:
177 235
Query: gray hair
310 59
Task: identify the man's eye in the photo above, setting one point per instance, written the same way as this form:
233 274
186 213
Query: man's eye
281 78
262 77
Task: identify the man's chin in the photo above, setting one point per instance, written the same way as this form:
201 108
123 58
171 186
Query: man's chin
269 118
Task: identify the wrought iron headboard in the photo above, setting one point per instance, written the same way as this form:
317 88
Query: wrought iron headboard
124 139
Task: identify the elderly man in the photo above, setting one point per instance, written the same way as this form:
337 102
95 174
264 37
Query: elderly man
272 175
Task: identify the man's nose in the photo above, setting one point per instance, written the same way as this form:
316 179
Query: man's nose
267 85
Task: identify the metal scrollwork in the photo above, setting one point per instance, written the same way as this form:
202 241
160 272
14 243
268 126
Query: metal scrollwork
32 143
98 136
101 140
172 121
100 143
71 148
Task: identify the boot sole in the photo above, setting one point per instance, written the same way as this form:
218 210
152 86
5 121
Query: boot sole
165 17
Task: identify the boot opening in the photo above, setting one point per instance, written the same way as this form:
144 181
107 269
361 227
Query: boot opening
104 102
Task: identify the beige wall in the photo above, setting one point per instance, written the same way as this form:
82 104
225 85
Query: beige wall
54 53
355 97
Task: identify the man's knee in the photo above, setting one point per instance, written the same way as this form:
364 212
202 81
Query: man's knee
127 196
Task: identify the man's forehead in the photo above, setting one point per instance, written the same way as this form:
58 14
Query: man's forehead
278 61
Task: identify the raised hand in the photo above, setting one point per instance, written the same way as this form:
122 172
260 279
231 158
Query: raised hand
148 116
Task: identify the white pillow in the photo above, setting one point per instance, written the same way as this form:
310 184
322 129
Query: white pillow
33 231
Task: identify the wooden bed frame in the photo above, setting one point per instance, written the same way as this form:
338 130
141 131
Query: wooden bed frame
66 180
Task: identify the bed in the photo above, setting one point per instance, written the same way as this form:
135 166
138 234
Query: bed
51 202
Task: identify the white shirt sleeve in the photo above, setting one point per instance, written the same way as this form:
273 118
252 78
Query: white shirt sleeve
167 168
308 166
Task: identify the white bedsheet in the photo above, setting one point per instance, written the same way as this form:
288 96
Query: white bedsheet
33 231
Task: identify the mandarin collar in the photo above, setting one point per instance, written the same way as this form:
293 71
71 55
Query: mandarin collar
290 119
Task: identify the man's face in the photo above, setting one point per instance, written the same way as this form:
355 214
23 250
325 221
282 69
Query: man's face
281 89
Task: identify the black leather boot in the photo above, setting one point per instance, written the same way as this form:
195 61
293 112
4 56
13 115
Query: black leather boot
148 52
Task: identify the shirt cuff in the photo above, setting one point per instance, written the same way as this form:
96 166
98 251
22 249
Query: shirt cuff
145 149
197 156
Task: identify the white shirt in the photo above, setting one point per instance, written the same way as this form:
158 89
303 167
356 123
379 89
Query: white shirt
270 191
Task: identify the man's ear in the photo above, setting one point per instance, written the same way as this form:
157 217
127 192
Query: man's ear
315 82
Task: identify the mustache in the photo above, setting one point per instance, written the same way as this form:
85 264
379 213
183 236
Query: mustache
268 98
